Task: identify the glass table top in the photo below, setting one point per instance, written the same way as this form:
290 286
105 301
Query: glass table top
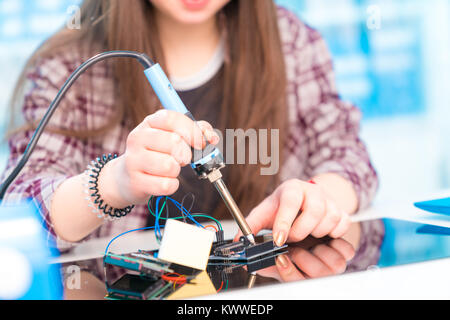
369 244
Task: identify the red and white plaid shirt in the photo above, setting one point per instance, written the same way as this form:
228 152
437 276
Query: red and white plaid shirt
323 131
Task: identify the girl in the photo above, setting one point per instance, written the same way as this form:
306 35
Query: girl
237 64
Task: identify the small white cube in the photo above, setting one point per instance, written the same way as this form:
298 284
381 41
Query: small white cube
186 244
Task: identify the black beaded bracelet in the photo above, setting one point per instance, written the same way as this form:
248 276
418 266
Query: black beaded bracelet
100 207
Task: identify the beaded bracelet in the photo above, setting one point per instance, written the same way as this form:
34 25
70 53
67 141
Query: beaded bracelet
98 205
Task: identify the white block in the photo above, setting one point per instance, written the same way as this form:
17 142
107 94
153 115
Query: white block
186 244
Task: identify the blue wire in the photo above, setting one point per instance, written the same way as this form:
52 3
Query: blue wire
110 242
178 205
158 233
157 226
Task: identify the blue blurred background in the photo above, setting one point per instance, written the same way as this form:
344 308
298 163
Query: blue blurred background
391 59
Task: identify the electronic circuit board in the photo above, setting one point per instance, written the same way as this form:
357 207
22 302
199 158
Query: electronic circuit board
145 277
243 250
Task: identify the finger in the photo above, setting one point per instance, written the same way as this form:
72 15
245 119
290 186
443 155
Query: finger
291 200
261 216
154 185
165 142
310 264
158 164
176 122
344 248
313 210
209 132
335 261
329 222
342 227
288 272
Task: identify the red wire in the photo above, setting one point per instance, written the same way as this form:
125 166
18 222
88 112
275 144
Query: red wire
211 226
179 279
170 273
221 286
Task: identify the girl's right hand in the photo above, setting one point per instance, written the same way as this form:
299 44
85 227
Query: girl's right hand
155 152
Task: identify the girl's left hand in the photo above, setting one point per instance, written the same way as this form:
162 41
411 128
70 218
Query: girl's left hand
297 209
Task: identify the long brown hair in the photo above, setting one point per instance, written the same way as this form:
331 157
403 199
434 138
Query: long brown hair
254 79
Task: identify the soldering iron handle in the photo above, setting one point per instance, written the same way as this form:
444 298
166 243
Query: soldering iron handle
170 99
168 96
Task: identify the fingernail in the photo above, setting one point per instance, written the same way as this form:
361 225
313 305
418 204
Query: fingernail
215 138
207 134
212 136
280 238
282 261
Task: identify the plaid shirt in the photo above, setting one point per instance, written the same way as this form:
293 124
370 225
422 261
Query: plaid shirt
323 130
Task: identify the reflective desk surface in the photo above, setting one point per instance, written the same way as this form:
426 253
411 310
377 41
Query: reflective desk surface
379 258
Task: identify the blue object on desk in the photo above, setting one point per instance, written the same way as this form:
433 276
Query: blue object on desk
25 255
441 206
430 229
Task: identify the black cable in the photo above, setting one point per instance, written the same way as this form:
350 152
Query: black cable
142 58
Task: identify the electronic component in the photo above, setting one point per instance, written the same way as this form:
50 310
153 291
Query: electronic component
144 266
186 245
135 287
258 263
220 237
229 249
242 250
155 279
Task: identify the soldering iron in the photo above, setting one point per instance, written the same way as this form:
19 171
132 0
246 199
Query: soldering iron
206 164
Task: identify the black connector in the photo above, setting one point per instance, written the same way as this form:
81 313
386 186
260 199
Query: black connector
220 237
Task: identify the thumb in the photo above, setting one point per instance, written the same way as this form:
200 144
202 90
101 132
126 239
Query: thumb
262 216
